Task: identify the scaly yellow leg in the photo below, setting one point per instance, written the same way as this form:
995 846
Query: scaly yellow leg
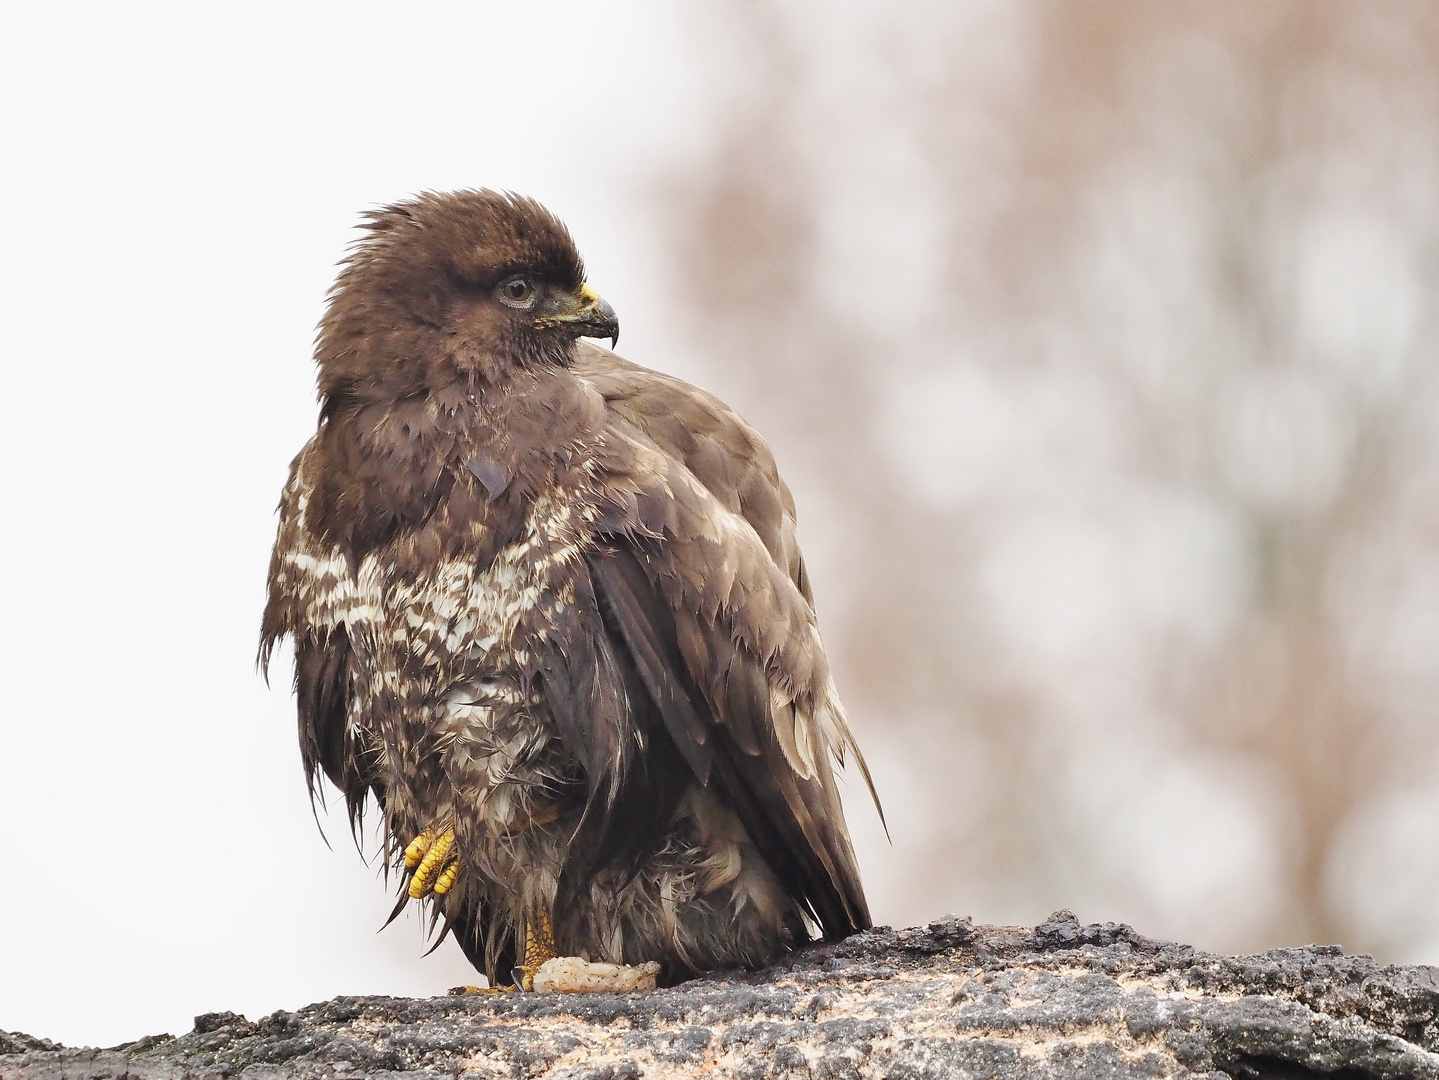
431 856
446 881
544 971
434 867
539 947
417 848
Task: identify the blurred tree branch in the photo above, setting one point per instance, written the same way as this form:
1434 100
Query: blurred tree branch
1138 203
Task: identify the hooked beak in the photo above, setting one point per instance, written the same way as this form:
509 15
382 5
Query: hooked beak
589 317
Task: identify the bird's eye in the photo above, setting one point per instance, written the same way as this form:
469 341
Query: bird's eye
518 292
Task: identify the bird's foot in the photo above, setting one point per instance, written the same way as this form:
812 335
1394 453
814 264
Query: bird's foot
542 972
546 973
539 948
431 856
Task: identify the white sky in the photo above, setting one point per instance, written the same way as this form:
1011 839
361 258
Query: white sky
182 179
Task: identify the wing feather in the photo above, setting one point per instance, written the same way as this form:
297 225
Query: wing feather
710 599
794 823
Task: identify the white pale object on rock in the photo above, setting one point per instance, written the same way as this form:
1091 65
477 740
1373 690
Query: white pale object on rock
573 975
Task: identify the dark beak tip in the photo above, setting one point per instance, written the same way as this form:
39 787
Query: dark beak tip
612 322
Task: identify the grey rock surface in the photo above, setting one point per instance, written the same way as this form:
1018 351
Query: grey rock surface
948 1000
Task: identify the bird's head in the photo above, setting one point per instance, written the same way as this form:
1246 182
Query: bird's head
467 284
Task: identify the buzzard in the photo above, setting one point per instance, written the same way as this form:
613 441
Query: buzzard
549 611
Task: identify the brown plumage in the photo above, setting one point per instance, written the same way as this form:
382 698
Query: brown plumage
553 601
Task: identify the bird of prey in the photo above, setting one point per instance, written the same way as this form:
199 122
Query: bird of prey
548 610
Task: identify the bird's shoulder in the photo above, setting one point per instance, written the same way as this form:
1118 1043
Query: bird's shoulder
717 444
708 438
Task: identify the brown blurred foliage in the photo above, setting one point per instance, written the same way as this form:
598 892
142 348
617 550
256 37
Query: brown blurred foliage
1097 340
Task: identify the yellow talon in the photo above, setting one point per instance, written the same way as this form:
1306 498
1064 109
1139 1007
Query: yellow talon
434 859
446 881
418 846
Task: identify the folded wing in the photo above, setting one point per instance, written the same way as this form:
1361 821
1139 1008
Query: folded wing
702 588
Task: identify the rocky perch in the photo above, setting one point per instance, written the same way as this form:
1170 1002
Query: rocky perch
948 1000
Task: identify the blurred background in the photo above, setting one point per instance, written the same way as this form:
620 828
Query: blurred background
1097 340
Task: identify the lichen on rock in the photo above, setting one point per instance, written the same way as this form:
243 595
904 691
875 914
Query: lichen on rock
951 999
